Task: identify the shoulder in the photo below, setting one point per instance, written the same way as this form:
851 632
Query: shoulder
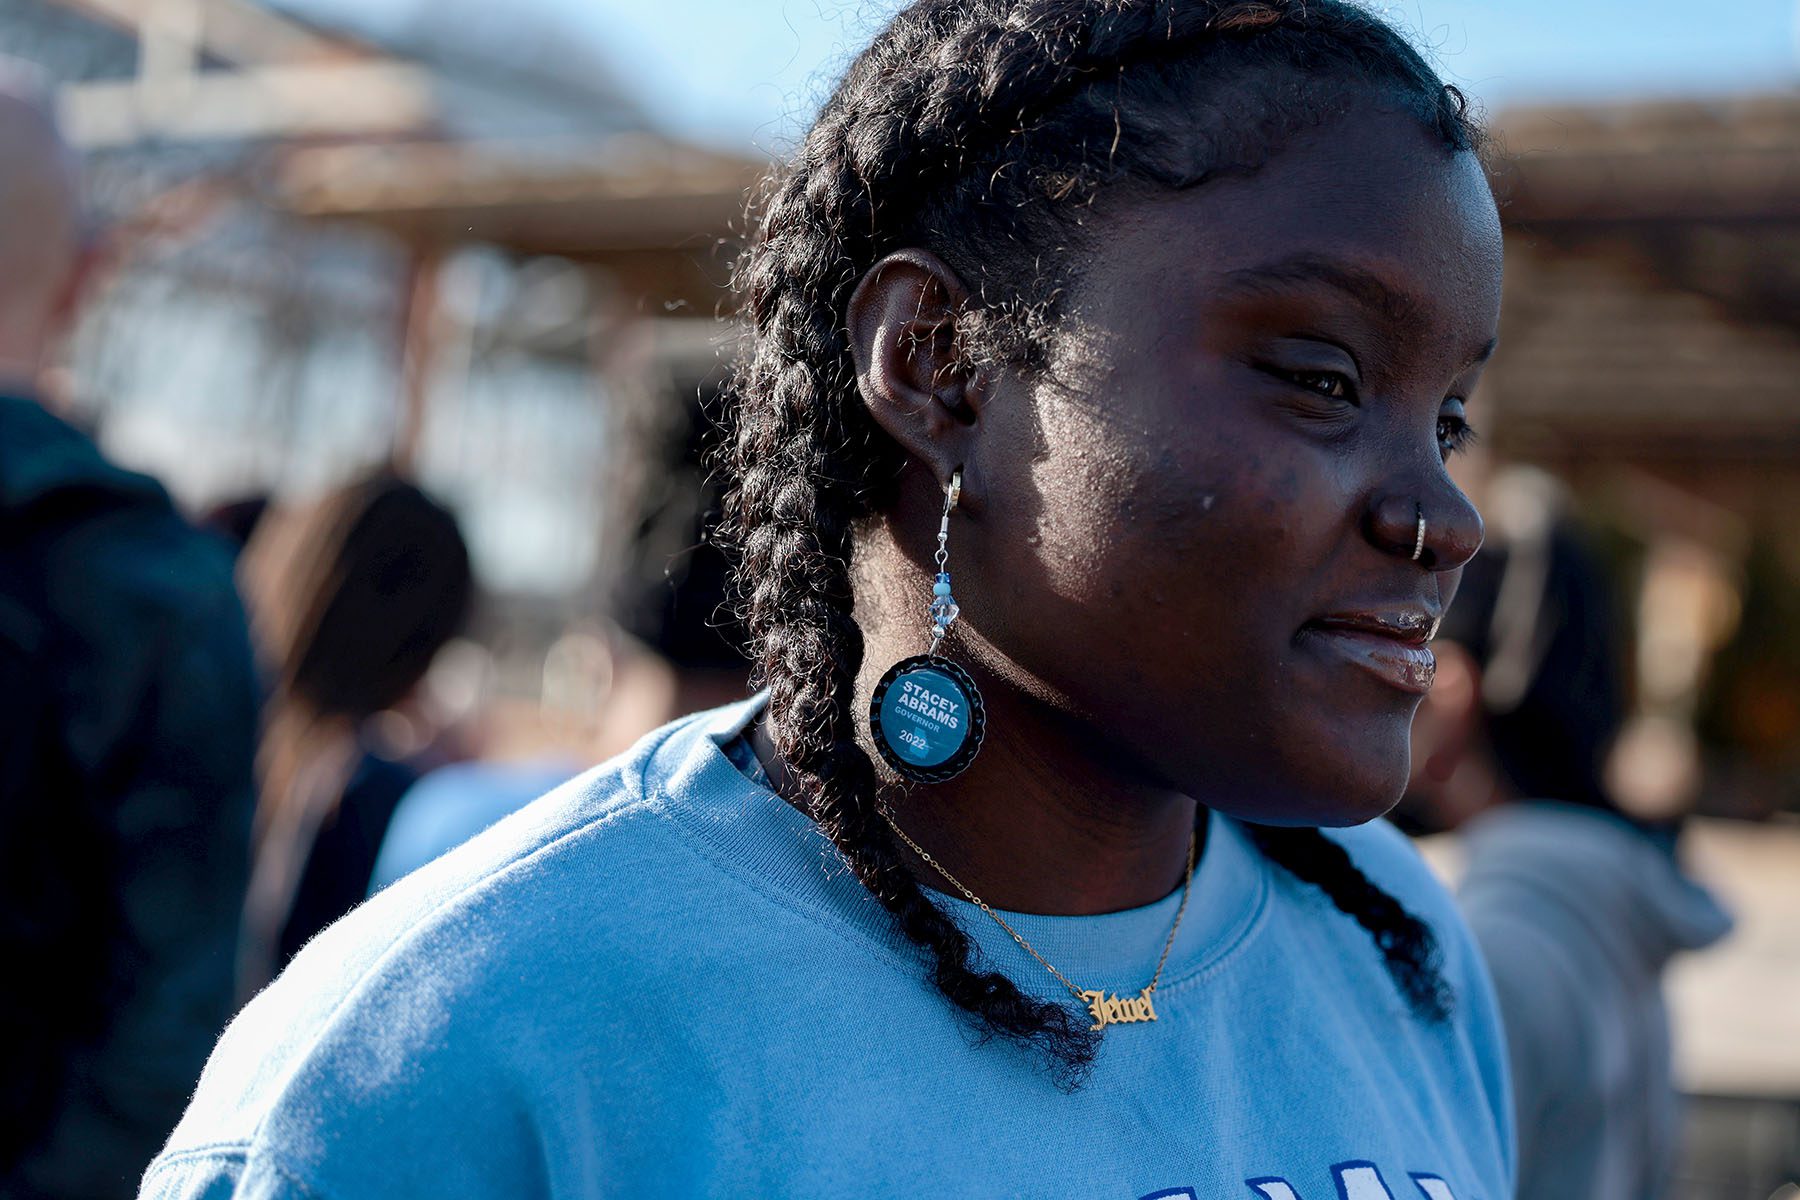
135 559
135 623
150 645
468 978
45 461
123 586
84 522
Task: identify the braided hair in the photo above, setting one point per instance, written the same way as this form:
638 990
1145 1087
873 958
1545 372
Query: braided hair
987 131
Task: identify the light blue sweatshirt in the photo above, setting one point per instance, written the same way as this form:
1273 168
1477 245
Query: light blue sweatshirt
661 980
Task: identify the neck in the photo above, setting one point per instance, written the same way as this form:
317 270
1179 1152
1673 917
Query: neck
1044 820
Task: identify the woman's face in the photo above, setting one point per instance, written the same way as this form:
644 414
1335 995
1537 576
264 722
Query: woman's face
1197 532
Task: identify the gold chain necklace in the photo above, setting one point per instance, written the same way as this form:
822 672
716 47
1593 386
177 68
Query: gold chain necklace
1106 1010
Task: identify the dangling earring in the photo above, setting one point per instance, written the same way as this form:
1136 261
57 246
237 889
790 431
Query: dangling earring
926 715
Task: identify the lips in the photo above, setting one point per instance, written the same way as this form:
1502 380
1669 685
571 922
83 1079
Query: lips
1389 644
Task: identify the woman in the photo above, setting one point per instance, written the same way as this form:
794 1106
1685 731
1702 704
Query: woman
351 597
1155 321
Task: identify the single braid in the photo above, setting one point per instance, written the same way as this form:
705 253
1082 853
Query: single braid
981 129
1406 943
801 463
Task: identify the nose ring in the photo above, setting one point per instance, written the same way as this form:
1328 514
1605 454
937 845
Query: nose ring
1419 539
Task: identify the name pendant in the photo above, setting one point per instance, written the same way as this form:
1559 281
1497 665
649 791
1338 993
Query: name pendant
1119 1010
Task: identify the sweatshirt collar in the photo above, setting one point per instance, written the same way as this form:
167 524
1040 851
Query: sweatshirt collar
761 834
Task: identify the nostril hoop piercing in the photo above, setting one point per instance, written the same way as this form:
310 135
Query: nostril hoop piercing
1419 539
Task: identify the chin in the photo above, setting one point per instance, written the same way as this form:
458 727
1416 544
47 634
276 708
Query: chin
1328 789
1367 785
1359 810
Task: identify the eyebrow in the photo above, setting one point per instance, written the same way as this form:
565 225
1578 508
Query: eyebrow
1363 286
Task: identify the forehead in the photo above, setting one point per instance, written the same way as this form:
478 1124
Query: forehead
1371 206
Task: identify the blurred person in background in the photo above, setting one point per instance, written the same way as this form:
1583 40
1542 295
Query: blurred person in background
604 684
127 731
1578 906
601 690
351 598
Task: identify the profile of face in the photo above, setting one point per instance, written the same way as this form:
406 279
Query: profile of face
1193 535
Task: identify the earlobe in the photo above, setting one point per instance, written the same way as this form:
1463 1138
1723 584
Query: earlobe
911 369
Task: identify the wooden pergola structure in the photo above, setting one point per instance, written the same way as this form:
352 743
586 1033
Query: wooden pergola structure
340 131
1653 293
656 219
1650 358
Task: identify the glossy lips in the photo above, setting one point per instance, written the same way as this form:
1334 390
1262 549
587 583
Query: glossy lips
1390 644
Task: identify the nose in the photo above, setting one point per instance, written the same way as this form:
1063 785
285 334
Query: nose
1439 523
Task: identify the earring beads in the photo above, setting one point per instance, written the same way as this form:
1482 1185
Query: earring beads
926 716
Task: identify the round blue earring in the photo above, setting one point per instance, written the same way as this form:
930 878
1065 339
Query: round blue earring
926 716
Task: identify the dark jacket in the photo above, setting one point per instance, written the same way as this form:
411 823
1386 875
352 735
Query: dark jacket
127 732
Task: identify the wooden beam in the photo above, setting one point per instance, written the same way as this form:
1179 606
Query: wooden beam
260 102
233 30
1725 186
420 330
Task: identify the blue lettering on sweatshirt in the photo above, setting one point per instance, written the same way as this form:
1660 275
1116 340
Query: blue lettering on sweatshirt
1356 1180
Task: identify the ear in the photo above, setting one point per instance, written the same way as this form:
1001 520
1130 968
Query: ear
910 368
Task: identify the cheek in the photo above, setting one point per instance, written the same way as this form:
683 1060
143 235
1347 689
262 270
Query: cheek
1177 514
1076 483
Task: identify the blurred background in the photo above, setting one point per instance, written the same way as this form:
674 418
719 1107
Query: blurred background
486 244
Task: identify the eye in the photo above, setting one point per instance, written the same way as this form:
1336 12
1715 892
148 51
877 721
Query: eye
1333 385
1454 433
